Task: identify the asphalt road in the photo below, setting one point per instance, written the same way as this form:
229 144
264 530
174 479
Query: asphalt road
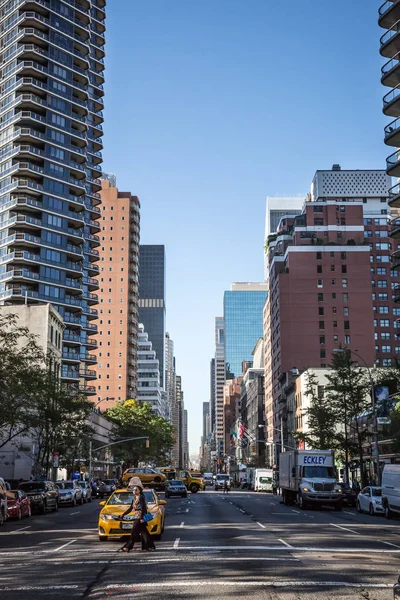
214 545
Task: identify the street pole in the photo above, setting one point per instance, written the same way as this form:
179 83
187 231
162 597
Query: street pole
90 460
282 445
375 432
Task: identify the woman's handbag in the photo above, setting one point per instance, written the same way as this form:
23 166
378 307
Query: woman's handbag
148 517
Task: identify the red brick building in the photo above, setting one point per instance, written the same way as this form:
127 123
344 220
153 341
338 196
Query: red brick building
330 285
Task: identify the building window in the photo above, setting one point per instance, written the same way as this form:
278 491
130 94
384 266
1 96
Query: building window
322 339
321 311
344 283
319 268
344 268
320 283
335 338
384 310
345 297
334 310
332 267
320 297
347 340
347 324
334 296
319 255
346 311
322 324
386 349
333 281
385 336
322 354
335 323
384 322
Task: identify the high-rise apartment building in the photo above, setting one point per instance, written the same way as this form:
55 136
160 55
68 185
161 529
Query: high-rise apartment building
148 374
51 102
152 298
389 15
330 284
219 374
243 322
275 209
118 294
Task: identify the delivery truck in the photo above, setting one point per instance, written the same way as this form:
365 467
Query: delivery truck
309 478
263 480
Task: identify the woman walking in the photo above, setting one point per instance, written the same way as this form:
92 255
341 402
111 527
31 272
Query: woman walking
139 530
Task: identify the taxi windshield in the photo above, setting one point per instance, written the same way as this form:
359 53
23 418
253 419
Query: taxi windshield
119 498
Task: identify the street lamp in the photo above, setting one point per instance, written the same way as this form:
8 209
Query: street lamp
375 418
106 399
143 437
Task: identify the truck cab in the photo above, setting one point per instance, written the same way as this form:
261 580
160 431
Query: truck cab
193 482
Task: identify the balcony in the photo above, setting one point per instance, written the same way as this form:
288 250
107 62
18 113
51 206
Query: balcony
395 234
390 41
391 102
88 390
391 72
392 133
89 358
71 338
88 374
394 196
389 13
393 164
68 373
71 356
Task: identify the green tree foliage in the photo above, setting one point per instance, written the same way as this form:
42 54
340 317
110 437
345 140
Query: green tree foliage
21 377
321 418
32 401
134 419
348 391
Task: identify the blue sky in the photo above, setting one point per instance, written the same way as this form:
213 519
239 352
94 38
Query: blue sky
211 105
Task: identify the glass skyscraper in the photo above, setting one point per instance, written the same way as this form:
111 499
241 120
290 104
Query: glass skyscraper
243 319
152 298
51 102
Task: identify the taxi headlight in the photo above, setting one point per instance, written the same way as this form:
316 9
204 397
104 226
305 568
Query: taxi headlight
106 517
306 489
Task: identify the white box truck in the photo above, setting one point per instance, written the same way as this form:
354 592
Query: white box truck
391 490
263 480
309 477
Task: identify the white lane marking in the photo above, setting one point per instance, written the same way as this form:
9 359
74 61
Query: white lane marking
273 503
230 502
265 583
390 544
347 512
295 549
344 528
296 511
187 510
261 525
22 529
241 510
61 547
176 543
182 524
285 543
74 513
34 588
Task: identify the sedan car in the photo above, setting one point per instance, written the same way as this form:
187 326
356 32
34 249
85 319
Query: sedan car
70 492
18 504
44 495
110 523
149 477
176 487
370 500
106 487
86 490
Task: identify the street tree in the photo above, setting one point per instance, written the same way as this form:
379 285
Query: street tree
133 418
21 375
320 416
348 392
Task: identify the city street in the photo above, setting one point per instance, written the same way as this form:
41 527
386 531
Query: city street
214 545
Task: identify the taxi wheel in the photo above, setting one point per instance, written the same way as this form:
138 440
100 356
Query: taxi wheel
371 509
103 538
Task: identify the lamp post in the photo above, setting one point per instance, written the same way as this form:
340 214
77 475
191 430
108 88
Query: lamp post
375 418
107 399
143 437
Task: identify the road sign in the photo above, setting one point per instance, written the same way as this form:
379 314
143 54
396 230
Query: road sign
56 459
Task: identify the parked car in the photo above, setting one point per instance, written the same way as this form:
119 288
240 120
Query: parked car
3 501
110 523
43 495
391 490
370 500
176 487
70 492
106 487
18 504
349 495
243 485
86 490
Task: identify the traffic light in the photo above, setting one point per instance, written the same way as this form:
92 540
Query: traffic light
147 443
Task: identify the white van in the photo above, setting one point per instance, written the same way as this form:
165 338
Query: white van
3 501
391 490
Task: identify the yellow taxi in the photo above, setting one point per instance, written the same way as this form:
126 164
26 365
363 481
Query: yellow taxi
116 505
149 477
